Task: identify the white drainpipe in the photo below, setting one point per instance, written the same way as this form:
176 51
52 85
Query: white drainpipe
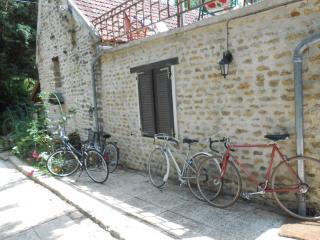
298 93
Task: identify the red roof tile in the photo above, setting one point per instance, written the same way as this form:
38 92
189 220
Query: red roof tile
95 8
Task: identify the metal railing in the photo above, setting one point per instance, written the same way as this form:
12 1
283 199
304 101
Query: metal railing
135 19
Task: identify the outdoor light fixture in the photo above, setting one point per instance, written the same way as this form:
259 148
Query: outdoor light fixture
227 57
224 63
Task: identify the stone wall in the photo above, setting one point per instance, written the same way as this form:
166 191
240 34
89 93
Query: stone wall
59 35
256 98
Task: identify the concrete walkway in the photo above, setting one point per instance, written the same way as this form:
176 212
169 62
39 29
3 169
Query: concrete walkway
129 207
30 212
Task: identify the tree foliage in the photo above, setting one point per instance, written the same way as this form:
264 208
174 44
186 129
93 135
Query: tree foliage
18 21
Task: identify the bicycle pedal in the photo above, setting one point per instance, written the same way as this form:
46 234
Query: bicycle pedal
183 184
80 173
261 192
245 196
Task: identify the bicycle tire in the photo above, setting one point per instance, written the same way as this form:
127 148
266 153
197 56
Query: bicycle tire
95 166
157 167
192 172
62 163
286 179
111 156
21 126
7 126
219 193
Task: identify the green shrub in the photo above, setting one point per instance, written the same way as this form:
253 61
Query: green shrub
29 131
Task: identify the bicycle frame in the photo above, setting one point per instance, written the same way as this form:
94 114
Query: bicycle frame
75 151
275 150
181 173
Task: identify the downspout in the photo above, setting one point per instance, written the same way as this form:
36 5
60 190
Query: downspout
100 50
298 93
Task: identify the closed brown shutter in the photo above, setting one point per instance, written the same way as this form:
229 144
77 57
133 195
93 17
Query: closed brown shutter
146 100
163 100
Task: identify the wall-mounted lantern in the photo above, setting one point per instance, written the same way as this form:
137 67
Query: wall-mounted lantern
224 63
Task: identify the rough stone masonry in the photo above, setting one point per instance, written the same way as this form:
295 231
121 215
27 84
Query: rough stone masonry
256 98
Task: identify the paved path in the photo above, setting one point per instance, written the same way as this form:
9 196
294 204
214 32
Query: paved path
29 211
130 208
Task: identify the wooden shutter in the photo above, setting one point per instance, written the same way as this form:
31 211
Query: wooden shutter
163 100
146 100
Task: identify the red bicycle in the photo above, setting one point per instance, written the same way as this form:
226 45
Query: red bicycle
220 184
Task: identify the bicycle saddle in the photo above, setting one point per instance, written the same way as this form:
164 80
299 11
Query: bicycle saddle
277 137
106 135
189 141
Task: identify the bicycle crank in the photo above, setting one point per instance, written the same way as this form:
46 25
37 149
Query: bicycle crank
182 182
303 188
247 195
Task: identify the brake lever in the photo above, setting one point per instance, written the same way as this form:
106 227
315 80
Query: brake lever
226 146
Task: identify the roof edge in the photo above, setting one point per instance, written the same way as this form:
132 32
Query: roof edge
82 20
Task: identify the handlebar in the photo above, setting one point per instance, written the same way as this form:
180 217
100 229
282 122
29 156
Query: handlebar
211 142
225 140
166 137
61 132
217 140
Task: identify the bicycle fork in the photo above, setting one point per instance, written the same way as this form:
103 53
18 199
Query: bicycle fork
166 176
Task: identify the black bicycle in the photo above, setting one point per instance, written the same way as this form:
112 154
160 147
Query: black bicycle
108 149
67 160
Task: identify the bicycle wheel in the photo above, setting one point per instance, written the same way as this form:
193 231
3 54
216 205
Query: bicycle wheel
7 126
96 166
157 167
217 191
284 178
192 171
111 156
62 163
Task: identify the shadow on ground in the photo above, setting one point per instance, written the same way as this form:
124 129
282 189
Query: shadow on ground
31 212
175 211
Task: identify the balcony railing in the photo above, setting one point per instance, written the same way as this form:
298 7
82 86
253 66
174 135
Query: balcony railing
135 19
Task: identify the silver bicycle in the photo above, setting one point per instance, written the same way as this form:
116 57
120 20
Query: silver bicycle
159 163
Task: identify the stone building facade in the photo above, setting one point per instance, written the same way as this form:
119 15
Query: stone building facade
256 98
